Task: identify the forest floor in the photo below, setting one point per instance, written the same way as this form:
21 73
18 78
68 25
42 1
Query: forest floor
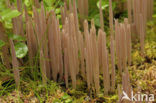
142 76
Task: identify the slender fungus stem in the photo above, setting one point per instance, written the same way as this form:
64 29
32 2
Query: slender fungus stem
101 16
112 46
15 65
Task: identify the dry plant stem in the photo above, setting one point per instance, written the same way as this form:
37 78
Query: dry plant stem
127 41
65 10
112 45
8 3
31 39
134 10
152 8
95 58
142 34
124 49
100 49
100 52
37 4
87 54
29 34
44 42
40 20
138 11
72 63
26 13
73 49
145 8
120 49
101 16
65 1
129 4
20 19
80 8
15 25
71 43
19 5
55 47
37 25
123 44
83 9
83 71
75 35
111 19
51 37
75 16
18 26
129 88
65 40
134 2
126 37
43 67
70 6
62 16
15 65
5 49
86 6
63 13
105 67
76 22
113 66
60 52
117 45
129 45
148 9
119 93
126 84
66 66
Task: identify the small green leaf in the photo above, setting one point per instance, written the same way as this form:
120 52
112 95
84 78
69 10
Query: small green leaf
2 43
48 3
8 24
154 16
27 3
57 11
4 12
49 9
59 16
56 101
97 20
68 101
21 50
9 14
66 96
16 37
104 4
